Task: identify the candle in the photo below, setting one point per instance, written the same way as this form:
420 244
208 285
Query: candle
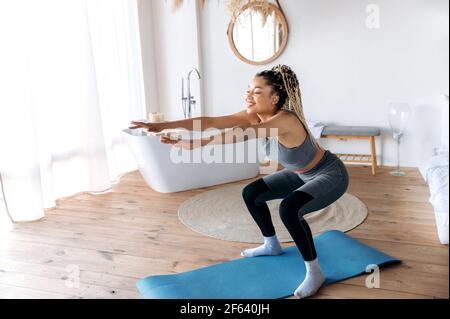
156 117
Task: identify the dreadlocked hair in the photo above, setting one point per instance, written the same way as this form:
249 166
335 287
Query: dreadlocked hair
284 82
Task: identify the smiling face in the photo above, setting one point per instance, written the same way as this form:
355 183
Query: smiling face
260 97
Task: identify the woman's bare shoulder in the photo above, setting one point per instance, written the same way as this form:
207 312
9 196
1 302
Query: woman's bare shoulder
297 131
251 119
290 116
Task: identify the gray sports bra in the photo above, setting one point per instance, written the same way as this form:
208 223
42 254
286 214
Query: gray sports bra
295 158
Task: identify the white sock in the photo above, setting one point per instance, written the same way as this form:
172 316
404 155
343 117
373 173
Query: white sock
313 280
271 247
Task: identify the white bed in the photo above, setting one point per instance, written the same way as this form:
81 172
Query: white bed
435 173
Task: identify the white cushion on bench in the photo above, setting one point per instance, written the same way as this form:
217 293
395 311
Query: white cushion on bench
351 131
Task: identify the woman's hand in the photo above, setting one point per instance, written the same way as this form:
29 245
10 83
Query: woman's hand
184 144
150 127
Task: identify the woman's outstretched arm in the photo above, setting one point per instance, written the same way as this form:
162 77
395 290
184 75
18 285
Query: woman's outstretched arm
278 125
198 123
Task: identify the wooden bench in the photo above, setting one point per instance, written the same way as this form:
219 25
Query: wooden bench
345 133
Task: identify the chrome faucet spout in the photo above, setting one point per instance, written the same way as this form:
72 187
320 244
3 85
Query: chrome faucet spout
190 99
196 71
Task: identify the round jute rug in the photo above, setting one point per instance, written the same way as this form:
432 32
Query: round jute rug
222 214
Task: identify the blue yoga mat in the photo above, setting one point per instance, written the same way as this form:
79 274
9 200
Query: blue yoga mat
267 277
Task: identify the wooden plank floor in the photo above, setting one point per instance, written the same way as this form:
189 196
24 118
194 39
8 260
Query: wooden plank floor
112 240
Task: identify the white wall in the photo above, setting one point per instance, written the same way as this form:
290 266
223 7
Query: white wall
146 27
348 72
173 38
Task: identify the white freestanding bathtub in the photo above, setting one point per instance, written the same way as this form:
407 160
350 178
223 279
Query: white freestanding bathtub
166 171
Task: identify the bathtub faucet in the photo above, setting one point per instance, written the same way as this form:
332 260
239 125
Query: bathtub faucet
188 101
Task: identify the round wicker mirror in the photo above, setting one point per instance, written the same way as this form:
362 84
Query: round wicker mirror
258 33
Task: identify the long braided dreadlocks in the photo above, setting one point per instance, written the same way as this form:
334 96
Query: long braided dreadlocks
285 83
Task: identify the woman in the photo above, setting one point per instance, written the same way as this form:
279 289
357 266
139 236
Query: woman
312 179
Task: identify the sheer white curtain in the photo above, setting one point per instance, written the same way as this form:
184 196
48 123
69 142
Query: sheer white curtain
70 81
